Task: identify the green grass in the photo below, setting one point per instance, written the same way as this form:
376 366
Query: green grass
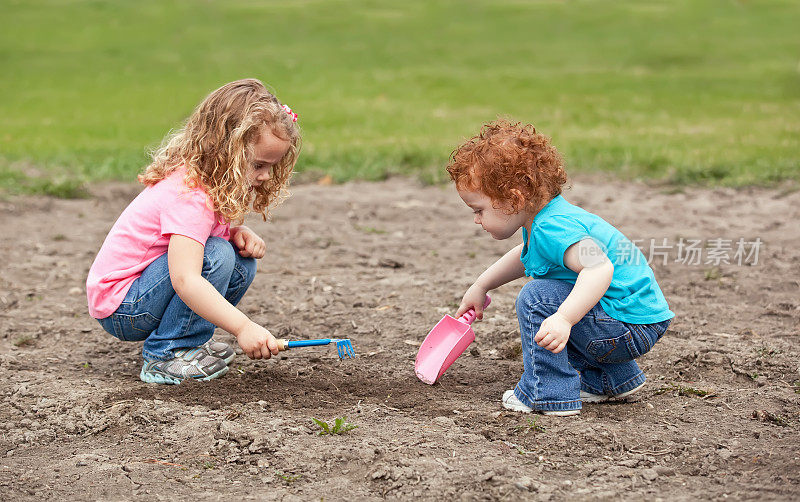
686 91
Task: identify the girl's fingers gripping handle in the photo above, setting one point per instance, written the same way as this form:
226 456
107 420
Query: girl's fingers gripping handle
469 316
283 344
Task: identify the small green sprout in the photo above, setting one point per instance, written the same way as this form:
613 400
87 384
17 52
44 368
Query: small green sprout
24 341
765 351
531 426
340 426
686 391
370 230
289 478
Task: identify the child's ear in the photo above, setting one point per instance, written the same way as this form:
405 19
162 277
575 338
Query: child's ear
518 200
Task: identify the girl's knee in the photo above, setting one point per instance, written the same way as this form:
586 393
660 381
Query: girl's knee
542 292
248 267
219 254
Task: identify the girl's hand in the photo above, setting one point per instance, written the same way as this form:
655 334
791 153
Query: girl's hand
474 298
249 244
553 334
257 342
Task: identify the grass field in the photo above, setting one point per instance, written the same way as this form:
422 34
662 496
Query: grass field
686 91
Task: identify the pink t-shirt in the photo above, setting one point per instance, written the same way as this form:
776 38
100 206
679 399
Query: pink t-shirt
141 234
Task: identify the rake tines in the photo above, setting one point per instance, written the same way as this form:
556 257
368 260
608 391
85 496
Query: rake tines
345 348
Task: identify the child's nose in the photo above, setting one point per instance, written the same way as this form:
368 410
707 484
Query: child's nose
477 220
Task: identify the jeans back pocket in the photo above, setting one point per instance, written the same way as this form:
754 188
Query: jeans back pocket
612 350
134 328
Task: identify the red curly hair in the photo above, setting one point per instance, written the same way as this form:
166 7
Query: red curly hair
505 160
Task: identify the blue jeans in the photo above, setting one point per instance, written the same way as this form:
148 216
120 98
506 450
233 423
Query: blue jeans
599 356
151 311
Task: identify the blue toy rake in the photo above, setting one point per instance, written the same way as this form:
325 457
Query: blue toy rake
343 345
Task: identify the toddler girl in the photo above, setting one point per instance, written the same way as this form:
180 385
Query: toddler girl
172 268
593 292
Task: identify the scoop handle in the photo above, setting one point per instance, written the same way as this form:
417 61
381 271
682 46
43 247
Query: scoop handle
469 316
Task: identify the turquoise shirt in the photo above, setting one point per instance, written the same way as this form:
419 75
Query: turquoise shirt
633 296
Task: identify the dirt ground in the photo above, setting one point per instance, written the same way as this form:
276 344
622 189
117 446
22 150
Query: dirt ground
380 263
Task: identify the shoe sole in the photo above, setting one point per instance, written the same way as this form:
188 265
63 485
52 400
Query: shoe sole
513 407
525 409
565 413
595 398
629 392
602 398
169 380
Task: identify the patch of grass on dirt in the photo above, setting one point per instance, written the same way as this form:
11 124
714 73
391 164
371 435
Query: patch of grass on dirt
712 274
531 427
370 230
768 416
767 352
683 390
289 478
24 341
339 426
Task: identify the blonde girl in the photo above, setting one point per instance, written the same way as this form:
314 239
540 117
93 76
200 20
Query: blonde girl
173 267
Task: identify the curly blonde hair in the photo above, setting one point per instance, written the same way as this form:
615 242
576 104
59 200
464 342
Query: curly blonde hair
216 146
505 160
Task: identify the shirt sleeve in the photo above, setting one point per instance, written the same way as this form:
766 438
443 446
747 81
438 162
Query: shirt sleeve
555 235
188 214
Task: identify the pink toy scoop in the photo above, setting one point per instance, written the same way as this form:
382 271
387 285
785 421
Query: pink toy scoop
446 341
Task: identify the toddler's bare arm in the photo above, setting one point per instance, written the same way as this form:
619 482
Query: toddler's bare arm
506 269
594 271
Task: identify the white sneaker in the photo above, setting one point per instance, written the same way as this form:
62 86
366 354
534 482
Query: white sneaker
630 392
510 402
588 397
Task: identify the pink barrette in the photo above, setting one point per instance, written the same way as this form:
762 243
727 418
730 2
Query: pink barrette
290 112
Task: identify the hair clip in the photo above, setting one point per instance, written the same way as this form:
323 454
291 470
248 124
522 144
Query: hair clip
290 112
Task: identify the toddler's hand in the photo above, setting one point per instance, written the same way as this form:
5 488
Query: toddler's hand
257 342
553 333
248 243
475 297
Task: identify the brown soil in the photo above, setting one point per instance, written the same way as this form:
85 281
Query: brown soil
380 264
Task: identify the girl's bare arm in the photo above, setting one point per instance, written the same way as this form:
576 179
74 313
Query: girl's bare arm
506 269
595 272
185 258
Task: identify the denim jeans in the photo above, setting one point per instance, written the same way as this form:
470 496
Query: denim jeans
151 311
599 356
